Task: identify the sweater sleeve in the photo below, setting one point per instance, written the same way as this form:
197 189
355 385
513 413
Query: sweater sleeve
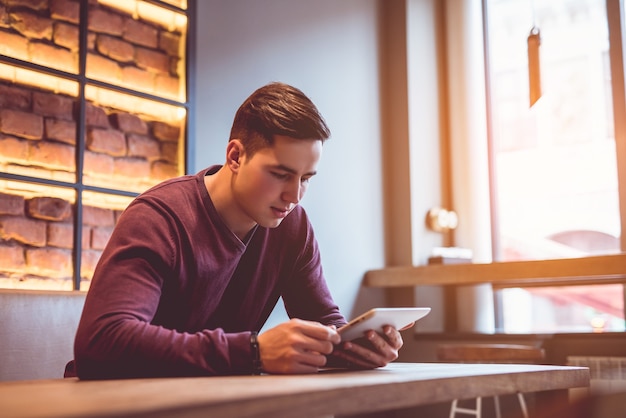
117 336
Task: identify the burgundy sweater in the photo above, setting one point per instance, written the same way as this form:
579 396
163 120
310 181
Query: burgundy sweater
177 294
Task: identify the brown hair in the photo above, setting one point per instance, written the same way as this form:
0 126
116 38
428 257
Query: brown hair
277 109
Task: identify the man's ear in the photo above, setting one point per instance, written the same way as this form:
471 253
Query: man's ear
234 152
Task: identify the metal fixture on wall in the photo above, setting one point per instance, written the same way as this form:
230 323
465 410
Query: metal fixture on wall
441 220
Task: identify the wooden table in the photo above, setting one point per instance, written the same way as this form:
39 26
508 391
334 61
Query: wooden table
398 385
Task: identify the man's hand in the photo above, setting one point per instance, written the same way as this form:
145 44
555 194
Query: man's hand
372 351
297 346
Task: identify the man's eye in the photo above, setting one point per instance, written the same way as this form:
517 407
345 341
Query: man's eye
280 176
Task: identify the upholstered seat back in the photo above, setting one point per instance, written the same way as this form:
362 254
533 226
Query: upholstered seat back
37 331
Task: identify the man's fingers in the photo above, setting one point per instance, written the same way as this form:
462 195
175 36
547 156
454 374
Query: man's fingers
376 350
297 346
408 326
369 355
307 362
354 361
394 339
317 331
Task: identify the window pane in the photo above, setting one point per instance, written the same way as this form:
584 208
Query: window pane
563 309
139 46
37 125
100 214
555 166
131 143
36 236
37 34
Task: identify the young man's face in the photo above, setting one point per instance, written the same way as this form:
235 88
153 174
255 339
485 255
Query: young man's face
273 181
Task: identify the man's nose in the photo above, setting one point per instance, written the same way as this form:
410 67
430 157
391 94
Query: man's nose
294 192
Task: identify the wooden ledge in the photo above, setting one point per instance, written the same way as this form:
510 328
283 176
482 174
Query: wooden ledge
571 271
490 353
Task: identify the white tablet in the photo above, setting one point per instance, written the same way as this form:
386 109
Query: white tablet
377 318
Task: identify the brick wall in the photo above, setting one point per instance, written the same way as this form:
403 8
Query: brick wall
124 150
38 130
122 50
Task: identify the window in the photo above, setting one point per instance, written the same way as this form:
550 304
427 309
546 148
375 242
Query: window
555 187
93 110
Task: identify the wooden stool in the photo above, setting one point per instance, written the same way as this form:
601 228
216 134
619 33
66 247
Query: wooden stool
489 353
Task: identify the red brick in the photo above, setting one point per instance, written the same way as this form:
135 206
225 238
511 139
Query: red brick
49 208
66 10
14 97
60 234
169 152
177 66
135 168
37 5
89 260
99 164
23 124
103 69
143 146
169 87
100 237
96 116
66 35
91 41
54 57
20 229
138 79
163 171
86 237
13 45
129 123
49 104
102 21
31 25
115 48
11 204
150 59
60 130
108 141
141 33
97 216
53 262
170 43
165 132
53 155
14 149
12 257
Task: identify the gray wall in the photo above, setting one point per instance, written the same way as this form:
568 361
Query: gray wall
331 50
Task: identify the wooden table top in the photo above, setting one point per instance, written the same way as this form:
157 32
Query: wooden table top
398 385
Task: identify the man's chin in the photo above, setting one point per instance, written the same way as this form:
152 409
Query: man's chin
274 223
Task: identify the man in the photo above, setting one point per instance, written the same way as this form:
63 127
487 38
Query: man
196 264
